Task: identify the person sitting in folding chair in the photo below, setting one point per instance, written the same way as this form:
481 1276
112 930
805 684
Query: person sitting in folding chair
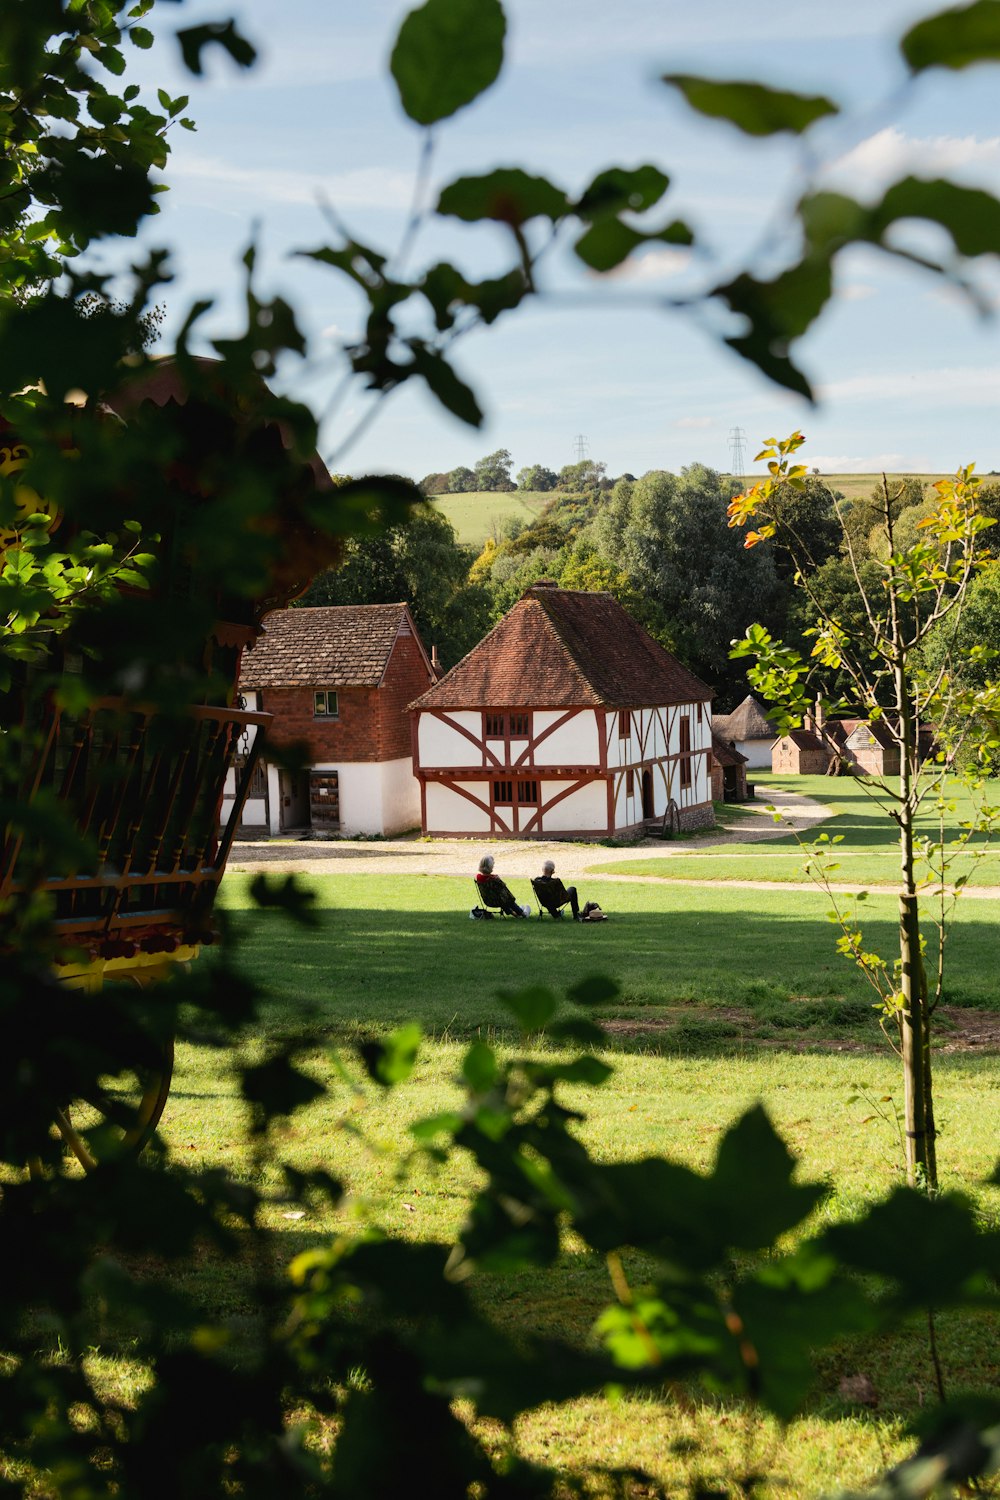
493 892
553 895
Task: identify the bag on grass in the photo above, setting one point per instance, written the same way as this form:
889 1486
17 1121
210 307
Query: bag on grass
478 914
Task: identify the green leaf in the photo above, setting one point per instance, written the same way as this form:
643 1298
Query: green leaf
596 989
479 1067
620 189
391 1060
533 1006
752 107
606 244
446 54
955 38
971 216
508 196
194 39
441 379
140 37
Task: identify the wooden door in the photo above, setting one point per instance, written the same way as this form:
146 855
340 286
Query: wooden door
324 801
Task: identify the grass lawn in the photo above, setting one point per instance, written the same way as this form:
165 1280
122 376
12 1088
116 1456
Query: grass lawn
868 854
724 1001
480 514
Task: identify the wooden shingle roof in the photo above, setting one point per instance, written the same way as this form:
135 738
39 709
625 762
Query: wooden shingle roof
344 645
565 648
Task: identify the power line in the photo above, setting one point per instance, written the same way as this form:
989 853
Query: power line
581 447
737 450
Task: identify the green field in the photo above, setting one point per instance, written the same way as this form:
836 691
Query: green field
867 854
476 516
725 999
481 514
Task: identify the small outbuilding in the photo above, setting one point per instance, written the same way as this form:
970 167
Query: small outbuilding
729 772
748 730
802 752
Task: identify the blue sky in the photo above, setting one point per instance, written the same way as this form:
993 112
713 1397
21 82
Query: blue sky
909 375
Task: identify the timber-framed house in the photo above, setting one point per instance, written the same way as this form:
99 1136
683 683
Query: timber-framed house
567 721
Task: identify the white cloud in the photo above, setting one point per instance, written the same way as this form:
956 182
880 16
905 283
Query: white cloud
331 331
694 422
855 291
652 265
869 168
948 386
876 463
368 187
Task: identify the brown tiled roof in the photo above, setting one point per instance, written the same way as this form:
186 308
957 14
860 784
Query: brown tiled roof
344 645
565 648
806 740
725 754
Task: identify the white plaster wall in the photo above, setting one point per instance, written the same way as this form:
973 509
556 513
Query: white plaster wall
254 812
441 745
447 812
585 809
274 799
360 789
400 796
757 752
574 743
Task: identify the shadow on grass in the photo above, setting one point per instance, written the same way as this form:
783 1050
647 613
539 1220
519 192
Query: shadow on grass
733 973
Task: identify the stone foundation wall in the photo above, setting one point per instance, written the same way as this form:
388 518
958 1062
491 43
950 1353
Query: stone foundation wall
700 816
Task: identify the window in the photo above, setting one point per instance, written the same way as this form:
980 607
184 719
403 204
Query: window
503 793
325 705
625 724
527 793
496 726
685 749
630 783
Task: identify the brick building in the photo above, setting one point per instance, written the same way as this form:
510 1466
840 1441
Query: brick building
567 720
337 681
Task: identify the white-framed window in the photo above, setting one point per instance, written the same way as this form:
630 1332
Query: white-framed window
325 705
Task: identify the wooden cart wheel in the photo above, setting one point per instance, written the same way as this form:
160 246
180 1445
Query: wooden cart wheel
121 1113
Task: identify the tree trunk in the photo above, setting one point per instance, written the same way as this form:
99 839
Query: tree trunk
918 1103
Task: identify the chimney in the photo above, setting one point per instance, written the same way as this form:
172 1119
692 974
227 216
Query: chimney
807 721
435 663
820 714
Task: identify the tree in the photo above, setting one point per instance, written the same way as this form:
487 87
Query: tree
669 535
461 481
908 597
585 475
493 471
433 484
536 478
416 561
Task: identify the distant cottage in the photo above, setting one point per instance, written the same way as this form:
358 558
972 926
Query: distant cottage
567 720
338 681
748 730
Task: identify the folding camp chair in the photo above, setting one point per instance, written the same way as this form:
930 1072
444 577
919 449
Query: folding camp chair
490 896
552 896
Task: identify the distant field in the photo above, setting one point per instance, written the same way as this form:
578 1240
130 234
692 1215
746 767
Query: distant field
853 485
478 515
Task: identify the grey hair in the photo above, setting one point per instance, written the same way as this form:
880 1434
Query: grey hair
486 864
549 867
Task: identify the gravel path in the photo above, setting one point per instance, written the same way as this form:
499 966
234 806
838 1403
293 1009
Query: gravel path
515 860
